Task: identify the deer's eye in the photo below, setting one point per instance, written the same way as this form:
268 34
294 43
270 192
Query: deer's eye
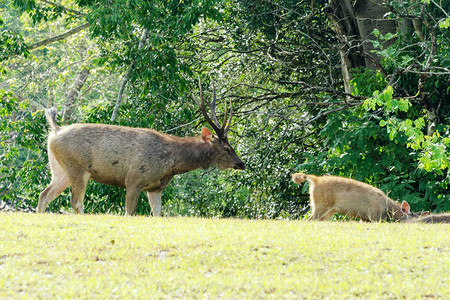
227 149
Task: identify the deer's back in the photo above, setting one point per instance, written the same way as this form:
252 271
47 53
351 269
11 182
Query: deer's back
111 153
351 197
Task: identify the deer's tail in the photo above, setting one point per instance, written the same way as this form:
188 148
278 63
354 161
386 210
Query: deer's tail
299 177
51 117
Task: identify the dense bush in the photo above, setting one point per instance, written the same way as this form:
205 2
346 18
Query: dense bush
279 64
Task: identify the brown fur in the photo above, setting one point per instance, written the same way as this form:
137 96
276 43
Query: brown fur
135 158
333 194
431 218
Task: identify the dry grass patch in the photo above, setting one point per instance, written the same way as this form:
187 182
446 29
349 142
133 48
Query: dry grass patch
106 256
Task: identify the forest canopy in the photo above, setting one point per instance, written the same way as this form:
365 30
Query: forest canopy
359 89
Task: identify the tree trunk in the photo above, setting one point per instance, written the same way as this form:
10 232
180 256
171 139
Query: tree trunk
354 26
370 15
74 92
126 77
340 12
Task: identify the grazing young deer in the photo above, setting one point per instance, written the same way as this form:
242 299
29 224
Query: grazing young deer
134 158
431 218
334 194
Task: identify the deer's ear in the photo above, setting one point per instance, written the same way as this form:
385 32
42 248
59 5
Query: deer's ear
206 135
406 209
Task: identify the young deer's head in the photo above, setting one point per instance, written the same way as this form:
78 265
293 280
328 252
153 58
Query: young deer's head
408 214
225 156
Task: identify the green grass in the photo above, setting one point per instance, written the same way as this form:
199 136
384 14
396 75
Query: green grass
107 257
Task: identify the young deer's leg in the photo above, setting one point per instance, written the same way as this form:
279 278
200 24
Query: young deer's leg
60 181
314 215
79 183
154 199
327 215
313 209
321 214
131 200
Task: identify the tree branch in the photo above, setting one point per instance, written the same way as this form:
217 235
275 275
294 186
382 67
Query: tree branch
64 8
58 37
74 92
332 111
127 77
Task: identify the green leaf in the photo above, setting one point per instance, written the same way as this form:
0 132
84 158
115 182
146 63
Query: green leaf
445 24
376 32
419 123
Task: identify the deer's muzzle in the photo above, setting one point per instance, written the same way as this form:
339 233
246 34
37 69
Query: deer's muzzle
239 166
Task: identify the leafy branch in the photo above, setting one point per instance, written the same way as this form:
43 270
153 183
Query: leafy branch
58 37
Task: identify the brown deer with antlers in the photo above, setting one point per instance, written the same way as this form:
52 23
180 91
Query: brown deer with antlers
138 159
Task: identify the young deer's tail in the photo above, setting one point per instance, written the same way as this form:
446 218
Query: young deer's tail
51 117
299 177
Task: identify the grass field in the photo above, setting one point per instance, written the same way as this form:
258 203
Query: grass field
108 257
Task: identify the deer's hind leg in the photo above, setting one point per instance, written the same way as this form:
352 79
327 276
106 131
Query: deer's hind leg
79 181
60 181
321 213
131 200
154 199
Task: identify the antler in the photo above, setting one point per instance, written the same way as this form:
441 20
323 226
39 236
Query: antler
222 131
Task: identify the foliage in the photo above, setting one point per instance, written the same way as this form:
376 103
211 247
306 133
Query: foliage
12 44
22 164
278 63
433 154
392 142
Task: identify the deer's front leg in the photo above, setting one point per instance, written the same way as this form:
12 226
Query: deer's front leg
154 199
131 200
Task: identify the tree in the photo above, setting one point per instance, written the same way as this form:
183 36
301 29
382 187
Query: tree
313 89
352 138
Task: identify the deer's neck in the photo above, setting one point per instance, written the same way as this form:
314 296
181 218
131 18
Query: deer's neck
395 211
192 154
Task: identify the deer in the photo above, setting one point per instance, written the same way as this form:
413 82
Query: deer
431 218
335 194
137 159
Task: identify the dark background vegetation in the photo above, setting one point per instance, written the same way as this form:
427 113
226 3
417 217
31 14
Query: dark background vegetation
310 93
